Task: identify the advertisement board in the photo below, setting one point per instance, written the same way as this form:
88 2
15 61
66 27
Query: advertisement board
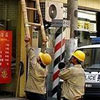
5 56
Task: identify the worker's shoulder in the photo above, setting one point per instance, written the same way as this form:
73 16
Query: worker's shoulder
72 68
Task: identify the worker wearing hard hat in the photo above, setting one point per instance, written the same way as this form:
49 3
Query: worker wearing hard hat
35 86
74 78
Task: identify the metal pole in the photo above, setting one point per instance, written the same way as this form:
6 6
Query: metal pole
72 16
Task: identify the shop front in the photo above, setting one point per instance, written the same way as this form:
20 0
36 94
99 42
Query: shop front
8 45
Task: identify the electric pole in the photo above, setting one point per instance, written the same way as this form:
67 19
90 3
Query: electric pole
72 11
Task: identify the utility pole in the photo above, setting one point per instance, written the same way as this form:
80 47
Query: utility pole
72 11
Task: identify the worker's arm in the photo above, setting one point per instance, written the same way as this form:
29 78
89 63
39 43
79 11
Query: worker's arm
65 73
30 51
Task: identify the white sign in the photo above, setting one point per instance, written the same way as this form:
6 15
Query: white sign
93 77
66 23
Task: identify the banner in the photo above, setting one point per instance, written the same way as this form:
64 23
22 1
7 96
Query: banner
5 56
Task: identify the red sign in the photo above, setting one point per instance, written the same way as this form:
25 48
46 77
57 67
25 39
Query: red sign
5 56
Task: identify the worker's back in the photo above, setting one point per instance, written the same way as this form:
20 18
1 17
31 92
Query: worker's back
74 81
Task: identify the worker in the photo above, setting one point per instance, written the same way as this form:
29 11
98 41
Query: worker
38 70
73 77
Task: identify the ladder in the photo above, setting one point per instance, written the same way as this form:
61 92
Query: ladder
27 23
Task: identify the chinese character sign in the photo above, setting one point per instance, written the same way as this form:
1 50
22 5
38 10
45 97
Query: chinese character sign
5 56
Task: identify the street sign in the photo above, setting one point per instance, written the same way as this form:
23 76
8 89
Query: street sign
66 23
60 23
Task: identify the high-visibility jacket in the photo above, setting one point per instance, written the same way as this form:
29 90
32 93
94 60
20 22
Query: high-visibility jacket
74 82
36 75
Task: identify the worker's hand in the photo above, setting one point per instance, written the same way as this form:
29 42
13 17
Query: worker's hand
44 41
27 39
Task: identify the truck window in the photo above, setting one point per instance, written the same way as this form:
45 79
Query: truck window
92 60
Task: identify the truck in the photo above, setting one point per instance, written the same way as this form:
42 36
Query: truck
91 66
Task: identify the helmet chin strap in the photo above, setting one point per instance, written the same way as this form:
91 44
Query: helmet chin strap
42 65
40 62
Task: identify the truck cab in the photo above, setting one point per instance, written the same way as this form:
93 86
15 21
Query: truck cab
92 70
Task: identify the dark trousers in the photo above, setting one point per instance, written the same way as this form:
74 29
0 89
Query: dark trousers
59 91
64 98
35 96
67 99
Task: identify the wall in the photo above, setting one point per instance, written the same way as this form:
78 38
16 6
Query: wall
84 3
90 3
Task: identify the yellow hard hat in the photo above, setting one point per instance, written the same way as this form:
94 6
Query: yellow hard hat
45 58
80 55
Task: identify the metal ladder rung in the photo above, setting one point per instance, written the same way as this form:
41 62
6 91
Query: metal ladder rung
31 8
34 24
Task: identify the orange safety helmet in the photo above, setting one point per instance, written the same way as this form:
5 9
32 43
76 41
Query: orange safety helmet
45 58
80 55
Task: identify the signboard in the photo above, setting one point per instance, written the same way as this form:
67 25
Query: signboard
83 25
5 56
66 23
87 21
57 23
60 23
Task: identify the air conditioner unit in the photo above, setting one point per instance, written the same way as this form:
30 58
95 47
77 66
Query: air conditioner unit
50 10
53 10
